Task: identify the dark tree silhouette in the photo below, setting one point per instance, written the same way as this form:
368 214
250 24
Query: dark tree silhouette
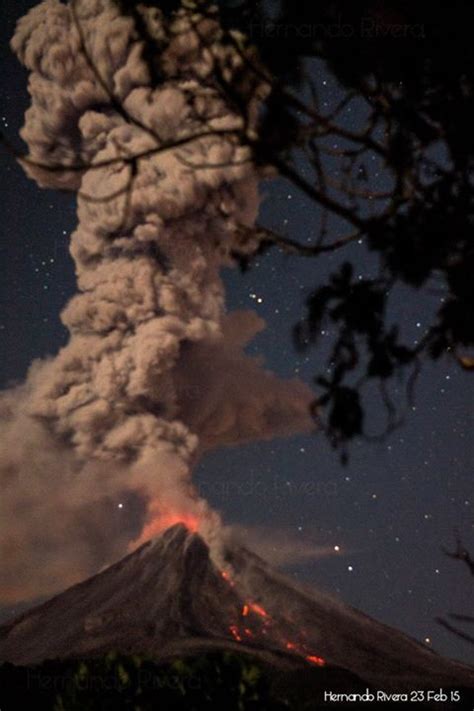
460 553
409 69
411 66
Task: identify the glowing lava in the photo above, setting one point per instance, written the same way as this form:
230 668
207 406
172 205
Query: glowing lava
259 610
228 579
268 625
234 630
312 659
167 520
161 520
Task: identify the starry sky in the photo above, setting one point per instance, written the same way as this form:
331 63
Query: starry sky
386 515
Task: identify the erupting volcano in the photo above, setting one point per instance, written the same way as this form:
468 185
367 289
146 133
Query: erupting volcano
160 521
170 598
155 372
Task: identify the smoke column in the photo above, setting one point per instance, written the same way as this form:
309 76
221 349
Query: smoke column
154 373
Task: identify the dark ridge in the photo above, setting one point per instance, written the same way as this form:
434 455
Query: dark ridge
168 599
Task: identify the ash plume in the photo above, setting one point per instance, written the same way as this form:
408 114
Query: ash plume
154 373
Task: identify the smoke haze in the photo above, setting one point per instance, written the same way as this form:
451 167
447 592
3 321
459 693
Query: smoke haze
154 373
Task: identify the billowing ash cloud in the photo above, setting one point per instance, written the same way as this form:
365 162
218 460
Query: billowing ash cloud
154 372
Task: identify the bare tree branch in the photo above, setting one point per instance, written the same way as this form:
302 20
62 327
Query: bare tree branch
81 167
454 630
461 553
115 102
266 236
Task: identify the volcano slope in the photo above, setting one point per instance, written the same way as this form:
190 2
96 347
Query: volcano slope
169 598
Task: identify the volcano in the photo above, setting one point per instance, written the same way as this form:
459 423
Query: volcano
169 598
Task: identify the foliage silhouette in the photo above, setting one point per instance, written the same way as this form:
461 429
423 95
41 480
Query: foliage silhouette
399 185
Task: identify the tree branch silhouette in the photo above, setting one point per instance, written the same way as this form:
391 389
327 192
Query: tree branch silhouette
460 553
415 126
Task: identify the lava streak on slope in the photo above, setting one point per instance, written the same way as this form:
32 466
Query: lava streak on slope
264 624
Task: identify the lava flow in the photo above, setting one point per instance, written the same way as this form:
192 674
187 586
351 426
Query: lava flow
254 612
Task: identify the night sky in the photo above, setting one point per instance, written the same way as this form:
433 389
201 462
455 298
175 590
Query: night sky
387 514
